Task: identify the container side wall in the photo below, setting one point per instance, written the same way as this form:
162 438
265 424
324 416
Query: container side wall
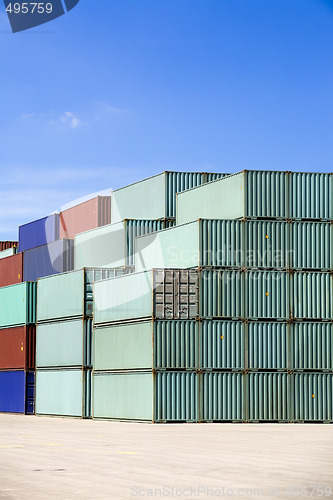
177 182
59 392
311 245
222 396
221 243
266 194
267 244
8 253
12 391
267 346
268 396
221 294
312 346
313 397
222 345
176 397
39 232
13 305
267 295
47 260
310 195
17 346
312 295
11 270
176 344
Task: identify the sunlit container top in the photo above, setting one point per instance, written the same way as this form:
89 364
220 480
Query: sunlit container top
155 197
8 252
260 194
39 232
18 305
112 245
85 216
69 295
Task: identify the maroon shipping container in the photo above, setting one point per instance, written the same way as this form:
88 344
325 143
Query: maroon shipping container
88 215
17 348
4 245
11 270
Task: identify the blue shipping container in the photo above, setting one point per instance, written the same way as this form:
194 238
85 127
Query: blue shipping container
17 392
46 260
39 232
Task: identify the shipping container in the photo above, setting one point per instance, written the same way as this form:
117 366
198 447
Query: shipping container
259 194
39 232
6 245
312 397
221 294
267 346
17 348
155 197
311 346
113 245
159 344
222 345
69 295
17 392
11 270
167 396
268 397
46 260
311 245
85 216
18 305
64 344
222 397
64 393
266 295
8 253
161 294
312 295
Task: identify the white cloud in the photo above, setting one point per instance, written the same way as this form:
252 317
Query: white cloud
70 119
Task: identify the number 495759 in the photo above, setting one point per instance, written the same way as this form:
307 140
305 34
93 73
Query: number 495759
29 8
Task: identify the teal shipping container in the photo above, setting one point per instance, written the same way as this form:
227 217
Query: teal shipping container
259 194
268 397
167 396
155 197
113 245
236 243
18 305
312 397
162 294
222 397
64 344
69 295
64 393
312 295
8 252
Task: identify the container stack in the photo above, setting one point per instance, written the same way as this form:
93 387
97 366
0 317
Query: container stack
256 343
64 342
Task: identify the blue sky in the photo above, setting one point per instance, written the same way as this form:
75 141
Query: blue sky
113 92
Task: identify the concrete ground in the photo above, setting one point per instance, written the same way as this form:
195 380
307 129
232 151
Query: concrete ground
53 458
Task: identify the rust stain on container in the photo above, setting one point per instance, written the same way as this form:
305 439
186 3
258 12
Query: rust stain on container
11 270
85 216
17 348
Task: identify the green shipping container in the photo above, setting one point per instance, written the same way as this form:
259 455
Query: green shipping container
64 344
64 393
18 305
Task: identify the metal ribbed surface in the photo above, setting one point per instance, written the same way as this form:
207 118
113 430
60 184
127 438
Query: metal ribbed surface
267 396
312 295
104 210
176 397
310 195
266 295
313 396
222 396
92 275
176 344
222 345
221 294
266 244
18 305
267 346
135 228
221 243
177 182
311 245
175 293
312 346
87 394
265 194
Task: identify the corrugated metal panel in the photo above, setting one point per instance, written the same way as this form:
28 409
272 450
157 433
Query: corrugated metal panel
8 253
175 293
267 346
222 345
123 396
64 344
93 275
60 392
176 344
18 305
46 260
104 210
39 232
222 396
312 346
135 228
11 270
265 194
310 195
87 397
5 245
17 348
30 393
16 392
267 295
176 397
311 245
209 177
268 396
85 216
312 295
313 397
221 294
221 243
177 182
266 244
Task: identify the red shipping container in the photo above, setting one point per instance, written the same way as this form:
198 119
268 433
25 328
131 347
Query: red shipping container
17 348
4 245
85 216
11 270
